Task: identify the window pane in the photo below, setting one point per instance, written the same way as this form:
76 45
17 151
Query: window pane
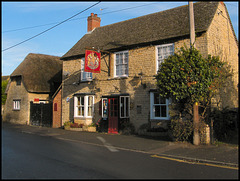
82 101
90 100
121 58
89 111
117 70
162 101
127 101
126 69
157 111
82 111
163 111
117 59
156 98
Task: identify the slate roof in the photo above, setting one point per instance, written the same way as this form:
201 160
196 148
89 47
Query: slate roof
39 71
150 28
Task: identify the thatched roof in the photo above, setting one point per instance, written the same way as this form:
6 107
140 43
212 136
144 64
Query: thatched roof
146 29
39 72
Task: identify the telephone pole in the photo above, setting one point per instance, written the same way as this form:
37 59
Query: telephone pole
196 137
191 22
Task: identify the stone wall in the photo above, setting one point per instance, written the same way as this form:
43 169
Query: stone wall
222 42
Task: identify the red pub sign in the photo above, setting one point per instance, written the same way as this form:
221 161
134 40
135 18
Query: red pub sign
92 61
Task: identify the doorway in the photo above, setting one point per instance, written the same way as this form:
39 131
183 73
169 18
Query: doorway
113 115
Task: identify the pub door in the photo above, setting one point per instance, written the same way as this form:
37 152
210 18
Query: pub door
113 115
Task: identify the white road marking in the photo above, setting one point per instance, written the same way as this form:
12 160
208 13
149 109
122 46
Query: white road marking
107 145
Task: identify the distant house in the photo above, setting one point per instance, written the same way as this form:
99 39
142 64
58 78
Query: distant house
34 80
131 52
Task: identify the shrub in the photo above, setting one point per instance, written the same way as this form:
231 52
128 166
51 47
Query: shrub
73 125
182 130
102 125
68 123
92 125
224 122
127 127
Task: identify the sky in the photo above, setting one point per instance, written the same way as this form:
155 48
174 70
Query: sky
24 20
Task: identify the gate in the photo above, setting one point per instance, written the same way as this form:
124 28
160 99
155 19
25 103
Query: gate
41 114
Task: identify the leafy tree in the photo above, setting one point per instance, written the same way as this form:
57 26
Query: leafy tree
4 86
187 75
188 78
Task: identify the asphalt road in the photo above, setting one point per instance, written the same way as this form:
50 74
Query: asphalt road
31 156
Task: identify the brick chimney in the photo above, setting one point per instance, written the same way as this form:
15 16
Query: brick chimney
93 22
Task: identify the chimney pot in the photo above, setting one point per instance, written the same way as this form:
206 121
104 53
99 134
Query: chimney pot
93 22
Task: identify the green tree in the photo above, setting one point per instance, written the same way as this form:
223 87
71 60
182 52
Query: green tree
188 78
4 86
187 75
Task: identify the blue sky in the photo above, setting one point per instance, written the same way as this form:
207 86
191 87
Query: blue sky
35 17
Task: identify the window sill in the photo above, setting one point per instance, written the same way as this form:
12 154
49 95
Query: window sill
118 78
89 80
159 119
82 117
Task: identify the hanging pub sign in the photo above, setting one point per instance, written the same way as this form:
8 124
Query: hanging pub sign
92 61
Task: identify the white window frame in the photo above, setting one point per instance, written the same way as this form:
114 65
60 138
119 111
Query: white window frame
124 63
152 108
125 107
85 76
168 53
85 106
16 105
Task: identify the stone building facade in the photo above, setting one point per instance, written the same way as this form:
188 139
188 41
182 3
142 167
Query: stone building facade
126 88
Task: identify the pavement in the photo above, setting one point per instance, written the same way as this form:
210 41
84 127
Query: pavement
223 155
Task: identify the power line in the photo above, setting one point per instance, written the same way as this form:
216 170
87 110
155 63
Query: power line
51 27
78 18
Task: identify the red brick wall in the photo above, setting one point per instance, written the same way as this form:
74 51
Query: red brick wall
57 110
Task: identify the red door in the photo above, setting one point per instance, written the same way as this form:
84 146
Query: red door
113 115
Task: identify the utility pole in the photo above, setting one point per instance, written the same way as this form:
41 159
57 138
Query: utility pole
191 22
196 137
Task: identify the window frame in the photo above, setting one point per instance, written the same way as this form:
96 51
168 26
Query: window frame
16 104
126 109
157 57
85 75
115 63
85 106
152 110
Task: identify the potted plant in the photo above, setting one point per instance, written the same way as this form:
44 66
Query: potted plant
67 125
92 127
